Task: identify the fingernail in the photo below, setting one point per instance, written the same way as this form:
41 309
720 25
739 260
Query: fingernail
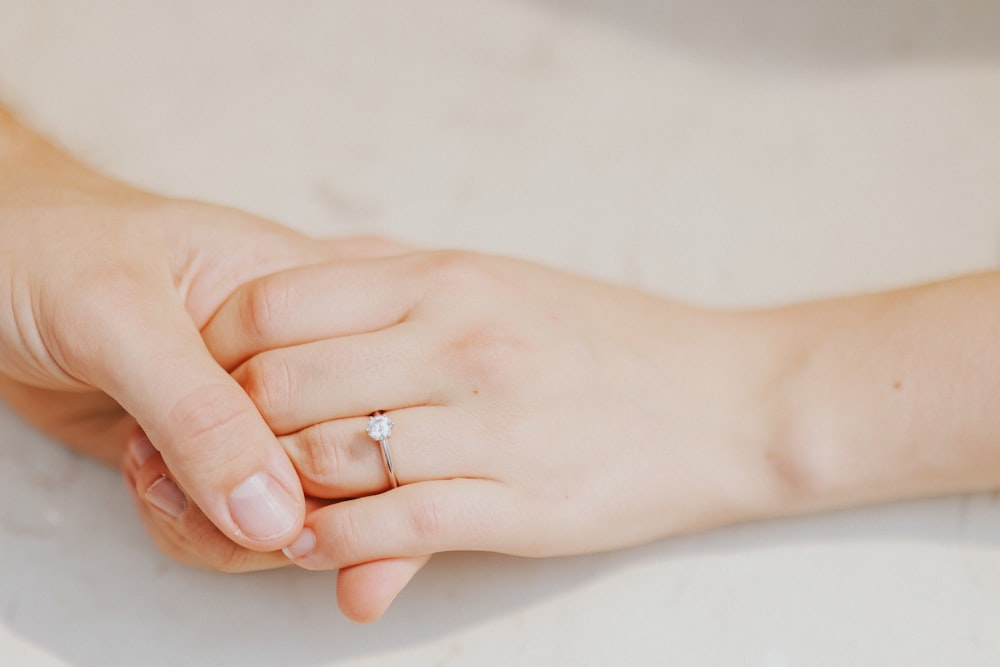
164 495
140 448
301 545
262 508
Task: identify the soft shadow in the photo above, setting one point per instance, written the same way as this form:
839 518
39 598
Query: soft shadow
792 33
81 581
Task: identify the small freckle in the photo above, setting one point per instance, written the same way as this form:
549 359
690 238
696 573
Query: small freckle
475 392
897 385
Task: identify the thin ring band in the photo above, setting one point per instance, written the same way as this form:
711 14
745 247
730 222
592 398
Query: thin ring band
379 429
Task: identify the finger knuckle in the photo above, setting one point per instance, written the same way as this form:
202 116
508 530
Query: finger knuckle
426 517
489 354
206 549
345 536
215 554
264 306
207 413
318 458
230 560
267 381
198 544
456 271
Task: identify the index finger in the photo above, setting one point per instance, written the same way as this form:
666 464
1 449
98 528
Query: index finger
339 298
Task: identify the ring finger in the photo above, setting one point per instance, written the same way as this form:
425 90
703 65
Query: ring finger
338 459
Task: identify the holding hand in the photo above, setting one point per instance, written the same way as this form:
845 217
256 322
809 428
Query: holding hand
535 413
103 290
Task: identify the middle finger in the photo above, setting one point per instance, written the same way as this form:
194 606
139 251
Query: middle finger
296 387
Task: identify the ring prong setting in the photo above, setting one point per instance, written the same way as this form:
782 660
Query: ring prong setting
379 427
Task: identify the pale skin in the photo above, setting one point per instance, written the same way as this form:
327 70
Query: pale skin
537 413
542 414
103 290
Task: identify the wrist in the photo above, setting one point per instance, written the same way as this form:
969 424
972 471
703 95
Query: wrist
726 379
824 434
888 396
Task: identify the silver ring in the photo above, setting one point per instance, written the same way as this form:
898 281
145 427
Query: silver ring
379 429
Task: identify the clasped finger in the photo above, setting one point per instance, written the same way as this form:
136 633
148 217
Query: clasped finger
338 458
296 387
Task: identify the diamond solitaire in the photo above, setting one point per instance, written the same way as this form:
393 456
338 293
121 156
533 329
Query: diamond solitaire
379 427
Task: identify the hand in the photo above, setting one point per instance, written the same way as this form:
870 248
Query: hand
186 534
536 413
103 290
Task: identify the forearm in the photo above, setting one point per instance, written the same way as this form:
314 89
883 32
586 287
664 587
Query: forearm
891 396
33 171
26 159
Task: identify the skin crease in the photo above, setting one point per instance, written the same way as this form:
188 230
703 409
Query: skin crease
532 416
538 413
103 291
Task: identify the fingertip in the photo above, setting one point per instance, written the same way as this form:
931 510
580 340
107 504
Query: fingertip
152 483
166 496
139 447
224 456
364 592
302 545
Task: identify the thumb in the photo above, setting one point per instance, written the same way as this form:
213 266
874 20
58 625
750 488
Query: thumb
211 436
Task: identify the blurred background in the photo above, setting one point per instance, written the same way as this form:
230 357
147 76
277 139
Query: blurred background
727 152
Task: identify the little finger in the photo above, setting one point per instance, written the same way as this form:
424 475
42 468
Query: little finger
413 520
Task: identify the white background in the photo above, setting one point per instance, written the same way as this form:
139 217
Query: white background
729 152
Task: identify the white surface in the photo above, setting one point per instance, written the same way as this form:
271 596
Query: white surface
725 151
